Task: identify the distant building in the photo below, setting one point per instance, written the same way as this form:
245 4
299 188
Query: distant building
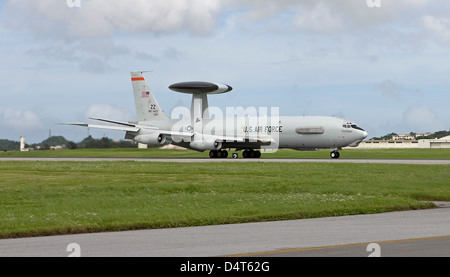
403 137
423 134
56 147
422 143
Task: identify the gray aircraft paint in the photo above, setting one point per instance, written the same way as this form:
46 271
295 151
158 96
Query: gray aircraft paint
197 129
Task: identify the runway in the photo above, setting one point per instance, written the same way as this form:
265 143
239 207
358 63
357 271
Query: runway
406 233
208 160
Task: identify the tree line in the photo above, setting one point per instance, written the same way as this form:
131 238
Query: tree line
435 135
88 142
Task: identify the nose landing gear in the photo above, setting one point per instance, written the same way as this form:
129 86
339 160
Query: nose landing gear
334 154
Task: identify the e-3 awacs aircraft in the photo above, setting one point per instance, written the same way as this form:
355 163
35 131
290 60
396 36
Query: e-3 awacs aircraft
197 130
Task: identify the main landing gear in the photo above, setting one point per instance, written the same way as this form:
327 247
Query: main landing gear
224 154
218 153
251 154
334 154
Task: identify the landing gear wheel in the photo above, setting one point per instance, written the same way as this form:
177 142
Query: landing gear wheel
251 154
334 155
218 154
224 153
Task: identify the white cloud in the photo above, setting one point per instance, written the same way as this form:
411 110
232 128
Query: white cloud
102 18
257 46
423 119
88 36
95 27
20 119
320 18
98 18
439 27
327 15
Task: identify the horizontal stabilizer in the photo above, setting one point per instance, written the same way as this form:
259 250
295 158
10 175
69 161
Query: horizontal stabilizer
117 128
113 121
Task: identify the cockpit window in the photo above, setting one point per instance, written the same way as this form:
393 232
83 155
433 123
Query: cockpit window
356 127
352 125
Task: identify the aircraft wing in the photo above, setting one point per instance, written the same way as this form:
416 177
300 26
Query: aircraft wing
131 127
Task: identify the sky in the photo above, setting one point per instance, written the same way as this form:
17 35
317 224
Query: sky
383 64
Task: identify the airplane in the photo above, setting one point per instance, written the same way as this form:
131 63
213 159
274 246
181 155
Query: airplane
196 129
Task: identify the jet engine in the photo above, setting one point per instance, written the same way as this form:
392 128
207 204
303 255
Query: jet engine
203 145
151 139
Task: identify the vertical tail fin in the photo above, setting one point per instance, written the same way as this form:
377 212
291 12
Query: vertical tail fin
147 107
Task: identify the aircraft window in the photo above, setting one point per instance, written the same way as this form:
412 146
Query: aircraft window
356 127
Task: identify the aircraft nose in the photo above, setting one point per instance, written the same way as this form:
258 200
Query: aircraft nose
364 134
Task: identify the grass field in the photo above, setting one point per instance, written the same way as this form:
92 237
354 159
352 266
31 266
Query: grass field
46 198
282 153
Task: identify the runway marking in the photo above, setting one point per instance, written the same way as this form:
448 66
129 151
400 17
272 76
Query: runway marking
281 251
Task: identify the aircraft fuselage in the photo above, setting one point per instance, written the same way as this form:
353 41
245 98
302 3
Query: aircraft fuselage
295 132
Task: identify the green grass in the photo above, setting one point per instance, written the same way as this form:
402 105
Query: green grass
282 153
47 198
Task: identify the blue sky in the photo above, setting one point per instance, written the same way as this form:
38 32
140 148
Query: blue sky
385 68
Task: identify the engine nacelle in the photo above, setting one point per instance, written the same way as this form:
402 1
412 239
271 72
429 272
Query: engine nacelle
151 139
203 145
